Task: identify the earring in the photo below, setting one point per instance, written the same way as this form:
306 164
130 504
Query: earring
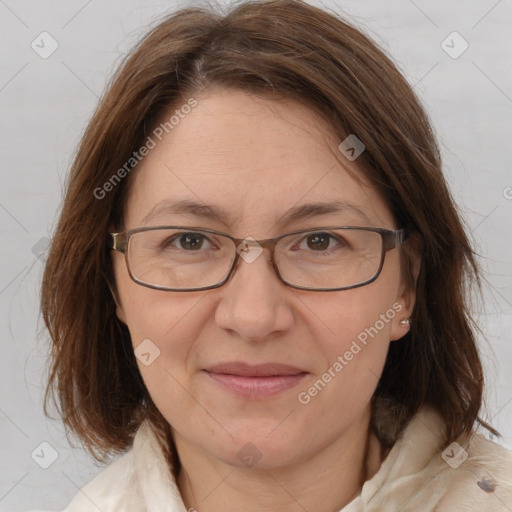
405 321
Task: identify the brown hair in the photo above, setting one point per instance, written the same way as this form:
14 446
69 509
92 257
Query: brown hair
297 51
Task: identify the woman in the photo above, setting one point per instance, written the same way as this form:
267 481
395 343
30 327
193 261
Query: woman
257 287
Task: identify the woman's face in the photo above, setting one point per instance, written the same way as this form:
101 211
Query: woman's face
254 159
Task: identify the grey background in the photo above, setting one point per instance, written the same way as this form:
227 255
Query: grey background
46 103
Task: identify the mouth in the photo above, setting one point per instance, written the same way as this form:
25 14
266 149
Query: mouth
255 382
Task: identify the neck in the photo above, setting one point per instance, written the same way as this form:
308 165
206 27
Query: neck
326 481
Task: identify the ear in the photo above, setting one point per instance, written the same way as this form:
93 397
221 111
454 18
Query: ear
120 314
111 281
406 298
119 309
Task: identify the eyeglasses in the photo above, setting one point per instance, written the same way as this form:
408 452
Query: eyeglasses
181 258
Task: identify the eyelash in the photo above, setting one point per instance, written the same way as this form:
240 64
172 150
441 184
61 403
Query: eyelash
178 236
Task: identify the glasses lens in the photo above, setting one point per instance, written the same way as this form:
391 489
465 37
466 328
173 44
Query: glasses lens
329 259
180 259
322 259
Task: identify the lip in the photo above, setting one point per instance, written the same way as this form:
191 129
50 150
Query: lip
260 370
255 381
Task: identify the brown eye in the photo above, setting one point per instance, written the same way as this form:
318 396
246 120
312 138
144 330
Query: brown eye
185 241
191 241
318 241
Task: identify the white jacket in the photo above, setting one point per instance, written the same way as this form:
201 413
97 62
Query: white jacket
415 476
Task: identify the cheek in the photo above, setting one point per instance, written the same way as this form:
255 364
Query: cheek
164 327
171 322
352 330
356 316
150 313
354 342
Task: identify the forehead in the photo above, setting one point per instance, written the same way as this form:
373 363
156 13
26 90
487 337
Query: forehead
252 158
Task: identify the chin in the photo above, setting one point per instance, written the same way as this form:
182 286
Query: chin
257 452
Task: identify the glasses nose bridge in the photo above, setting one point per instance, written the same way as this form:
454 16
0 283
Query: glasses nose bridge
267 243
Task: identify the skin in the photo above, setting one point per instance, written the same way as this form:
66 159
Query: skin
255 157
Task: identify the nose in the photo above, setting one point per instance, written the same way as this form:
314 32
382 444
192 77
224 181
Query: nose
254 302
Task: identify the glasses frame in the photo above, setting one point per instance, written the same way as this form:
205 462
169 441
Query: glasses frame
390 239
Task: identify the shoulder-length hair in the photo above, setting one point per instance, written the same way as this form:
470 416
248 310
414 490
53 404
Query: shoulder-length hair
293 50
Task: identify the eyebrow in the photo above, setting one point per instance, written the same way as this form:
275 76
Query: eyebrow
296 213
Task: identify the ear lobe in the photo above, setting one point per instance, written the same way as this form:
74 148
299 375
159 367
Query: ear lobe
407 297
400 324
